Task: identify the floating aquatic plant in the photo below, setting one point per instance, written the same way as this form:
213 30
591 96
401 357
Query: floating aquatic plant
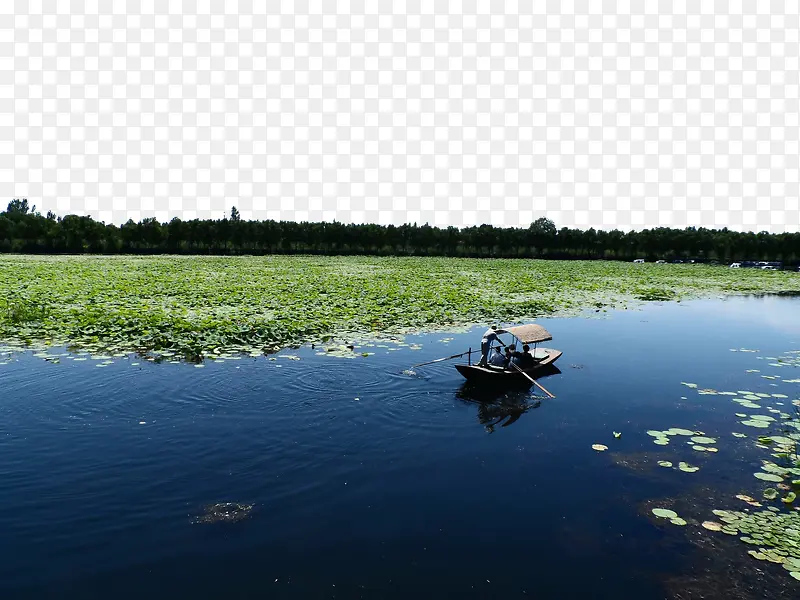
775 533
703 440
191 305
756 423
768 477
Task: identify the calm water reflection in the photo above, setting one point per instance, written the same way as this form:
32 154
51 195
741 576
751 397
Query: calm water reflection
367 482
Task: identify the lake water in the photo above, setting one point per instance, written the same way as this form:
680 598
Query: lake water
370 483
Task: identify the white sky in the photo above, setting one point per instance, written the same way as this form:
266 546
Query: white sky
594 114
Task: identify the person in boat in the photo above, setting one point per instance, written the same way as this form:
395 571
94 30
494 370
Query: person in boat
526 358
497 360
507 363
523 360
486 343
511 353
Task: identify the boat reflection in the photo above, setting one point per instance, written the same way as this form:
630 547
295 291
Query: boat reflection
500 406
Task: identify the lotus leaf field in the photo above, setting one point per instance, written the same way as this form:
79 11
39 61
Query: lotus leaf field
200 307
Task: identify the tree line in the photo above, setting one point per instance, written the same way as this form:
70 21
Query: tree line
25 230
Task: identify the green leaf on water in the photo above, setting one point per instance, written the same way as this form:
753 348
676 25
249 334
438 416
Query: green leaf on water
703 440
665 513
753 423
790 497
678 431
677 521
770 493
664 463
768 477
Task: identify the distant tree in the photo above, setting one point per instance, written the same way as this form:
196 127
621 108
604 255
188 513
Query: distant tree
544 227
22 229
20 207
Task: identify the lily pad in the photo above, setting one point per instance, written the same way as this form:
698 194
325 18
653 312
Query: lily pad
664 463
678 431
712 525
677 521
703 440
753 423
665 513
770 493
779 439
599 447
768 477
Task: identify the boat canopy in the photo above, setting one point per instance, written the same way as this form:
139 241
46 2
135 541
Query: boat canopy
530 334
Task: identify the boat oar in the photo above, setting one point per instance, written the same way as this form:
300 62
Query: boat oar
532 380
430 362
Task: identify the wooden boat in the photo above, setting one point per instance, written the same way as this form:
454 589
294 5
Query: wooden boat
530 334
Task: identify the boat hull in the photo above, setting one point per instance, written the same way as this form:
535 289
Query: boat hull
496 377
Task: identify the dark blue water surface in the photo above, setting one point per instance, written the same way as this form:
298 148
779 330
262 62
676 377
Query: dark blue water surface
370 483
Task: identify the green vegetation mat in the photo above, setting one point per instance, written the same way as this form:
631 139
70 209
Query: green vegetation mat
195 306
